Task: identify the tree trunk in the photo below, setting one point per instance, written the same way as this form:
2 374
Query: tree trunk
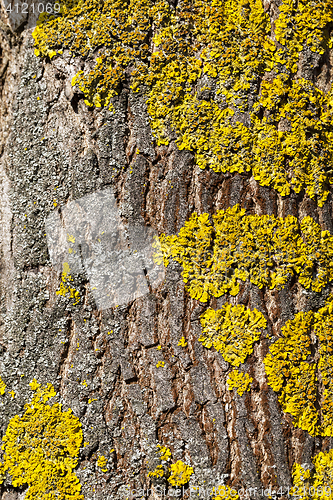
102 361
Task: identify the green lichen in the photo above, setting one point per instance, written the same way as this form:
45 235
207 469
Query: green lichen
202 63
232 330
41 449
299 368
266 250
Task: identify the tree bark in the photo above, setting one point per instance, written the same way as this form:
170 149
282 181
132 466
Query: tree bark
54 149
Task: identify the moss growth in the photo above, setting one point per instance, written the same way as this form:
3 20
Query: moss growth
240 381
41 449
286 143
300 367
232 330
316 484
265 250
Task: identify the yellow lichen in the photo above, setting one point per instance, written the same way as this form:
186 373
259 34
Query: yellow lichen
2 387
182 342
297 155
165 453
232 330
302 24
240 381
157 472
70 238
300 364
41 449
164 456
224 492
314 484
204 63
65 287
265 250
180 473
102 462
120 27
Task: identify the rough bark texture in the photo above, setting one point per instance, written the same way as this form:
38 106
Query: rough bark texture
55 149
